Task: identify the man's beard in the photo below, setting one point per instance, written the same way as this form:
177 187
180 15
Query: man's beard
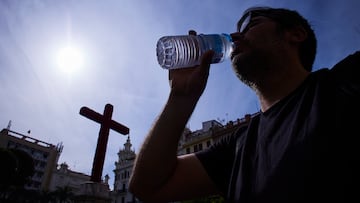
251 66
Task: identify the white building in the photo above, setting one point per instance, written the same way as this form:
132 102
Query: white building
123 169
64 177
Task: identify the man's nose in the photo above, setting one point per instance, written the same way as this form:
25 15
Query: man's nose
236 36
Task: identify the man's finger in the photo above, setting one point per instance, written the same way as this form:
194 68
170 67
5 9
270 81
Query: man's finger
192 32
206 61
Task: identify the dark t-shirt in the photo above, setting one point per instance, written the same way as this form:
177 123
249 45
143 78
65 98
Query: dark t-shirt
304 148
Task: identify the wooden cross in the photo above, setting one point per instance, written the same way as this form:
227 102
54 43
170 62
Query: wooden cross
106 124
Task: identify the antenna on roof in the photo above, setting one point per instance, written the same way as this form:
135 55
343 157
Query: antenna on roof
9 125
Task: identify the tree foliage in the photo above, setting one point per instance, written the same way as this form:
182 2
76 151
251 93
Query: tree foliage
17 167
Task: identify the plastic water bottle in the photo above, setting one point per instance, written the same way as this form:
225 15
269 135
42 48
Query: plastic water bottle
186 50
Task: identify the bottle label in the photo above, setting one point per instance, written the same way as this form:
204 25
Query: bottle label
215 43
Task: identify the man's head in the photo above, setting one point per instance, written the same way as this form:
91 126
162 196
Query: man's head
286 19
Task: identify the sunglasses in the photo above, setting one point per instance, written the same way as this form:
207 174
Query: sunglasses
250 13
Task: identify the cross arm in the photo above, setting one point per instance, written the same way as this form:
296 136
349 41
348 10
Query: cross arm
95 116
91 114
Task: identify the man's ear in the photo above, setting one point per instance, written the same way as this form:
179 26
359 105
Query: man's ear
296 34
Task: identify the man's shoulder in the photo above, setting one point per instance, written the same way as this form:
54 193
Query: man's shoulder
347 69
349 65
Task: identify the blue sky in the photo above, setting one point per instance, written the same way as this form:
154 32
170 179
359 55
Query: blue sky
117 40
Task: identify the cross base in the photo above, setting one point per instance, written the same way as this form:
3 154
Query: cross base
93 192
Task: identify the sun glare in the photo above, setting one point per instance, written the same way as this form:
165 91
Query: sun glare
70 59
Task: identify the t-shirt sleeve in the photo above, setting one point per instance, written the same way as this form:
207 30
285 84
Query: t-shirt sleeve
218 160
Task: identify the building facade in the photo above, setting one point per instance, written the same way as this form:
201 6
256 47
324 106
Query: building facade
211 131
45 156
123 169
64 177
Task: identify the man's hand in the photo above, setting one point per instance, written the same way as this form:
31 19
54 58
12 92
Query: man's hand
191 81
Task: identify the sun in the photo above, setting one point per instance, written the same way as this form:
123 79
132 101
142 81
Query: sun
70 59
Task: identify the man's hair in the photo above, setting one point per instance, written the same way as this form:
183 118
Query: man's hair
287 18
